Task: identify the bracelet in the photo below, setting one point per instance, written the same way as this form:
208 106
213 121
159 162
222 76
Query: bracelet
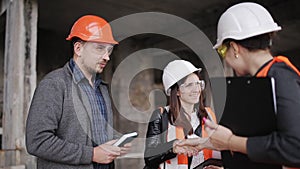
228 142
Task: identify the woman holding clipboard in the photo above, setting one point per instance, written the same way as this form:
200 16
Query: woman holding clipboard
245 33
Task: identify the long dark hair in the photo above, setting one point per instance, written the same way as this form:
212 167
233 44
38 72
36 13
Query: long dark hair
176 115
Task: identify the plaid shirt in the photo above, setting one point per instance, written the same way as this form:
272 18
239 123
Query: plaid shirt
98 107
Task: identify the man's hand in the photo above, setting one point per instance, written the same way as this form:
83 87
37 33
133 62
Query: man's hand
125 149
106 153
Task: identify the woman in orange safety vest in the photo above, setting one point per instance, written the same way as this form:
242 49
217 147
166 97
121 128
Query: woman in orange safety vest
245 33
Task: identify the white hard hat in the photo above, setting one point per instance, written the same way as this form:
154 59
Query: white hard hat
244 20
175 71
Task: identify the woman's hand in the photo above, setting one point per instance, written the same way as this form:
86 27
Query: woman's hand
219 135
198 143
184 149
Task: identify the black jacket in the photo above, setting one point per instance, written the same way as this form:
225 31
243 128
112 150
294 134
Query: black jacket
281 146
157 149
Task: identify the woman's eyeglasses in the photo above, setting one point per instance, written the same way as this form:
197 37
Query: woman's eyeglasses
199 84
222 50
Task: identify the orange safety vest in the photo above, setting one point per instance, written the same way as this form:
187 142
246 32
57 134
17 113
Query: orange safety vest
264 72
181 160
208 152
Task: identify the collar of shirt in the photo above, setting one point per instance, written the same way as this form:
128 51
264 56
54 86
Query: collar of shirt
79 76
265 64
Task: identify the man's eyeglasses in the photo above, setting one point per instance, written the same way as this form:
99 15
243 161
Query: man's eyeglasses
102 50
222 50
199 84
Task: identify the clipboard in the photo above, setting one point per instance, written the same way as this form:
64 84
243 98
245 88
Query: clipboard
210 161
249 110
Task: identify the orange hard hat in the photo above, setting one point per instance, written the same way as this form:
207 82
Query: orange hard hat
92 28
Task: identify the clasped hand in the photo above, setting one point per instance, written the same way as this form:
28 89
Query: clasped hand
191 146
218 139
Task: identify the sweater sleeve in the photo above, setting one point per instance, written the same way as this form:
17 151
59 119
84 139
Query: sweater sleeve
281 146
157 150
42 123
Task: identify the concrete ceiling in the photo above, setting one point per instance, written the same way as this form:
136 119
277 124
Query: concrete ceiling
59 15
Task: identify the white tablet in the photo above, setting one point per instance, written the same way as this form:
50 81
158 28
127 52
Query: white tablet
126 138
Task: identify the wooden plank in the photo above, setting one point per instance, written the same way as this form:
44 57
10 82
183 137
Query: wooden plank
19 79
14 167
14 56
30 78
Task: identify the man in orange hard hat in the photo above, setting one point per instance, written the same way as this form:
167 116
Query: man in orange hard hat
70 118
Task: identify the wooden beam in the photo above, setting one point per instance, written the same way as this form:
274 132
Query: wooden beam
19 78
15 167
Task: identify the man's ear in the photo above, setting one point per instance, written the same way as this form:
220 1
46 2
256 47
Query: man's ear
78 48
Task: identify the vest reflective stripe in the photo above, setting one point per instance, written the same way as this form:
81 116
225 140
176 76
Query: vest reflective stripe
265 70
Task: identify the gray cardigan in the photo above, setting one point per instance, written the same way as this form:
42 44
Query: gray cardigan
58 128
